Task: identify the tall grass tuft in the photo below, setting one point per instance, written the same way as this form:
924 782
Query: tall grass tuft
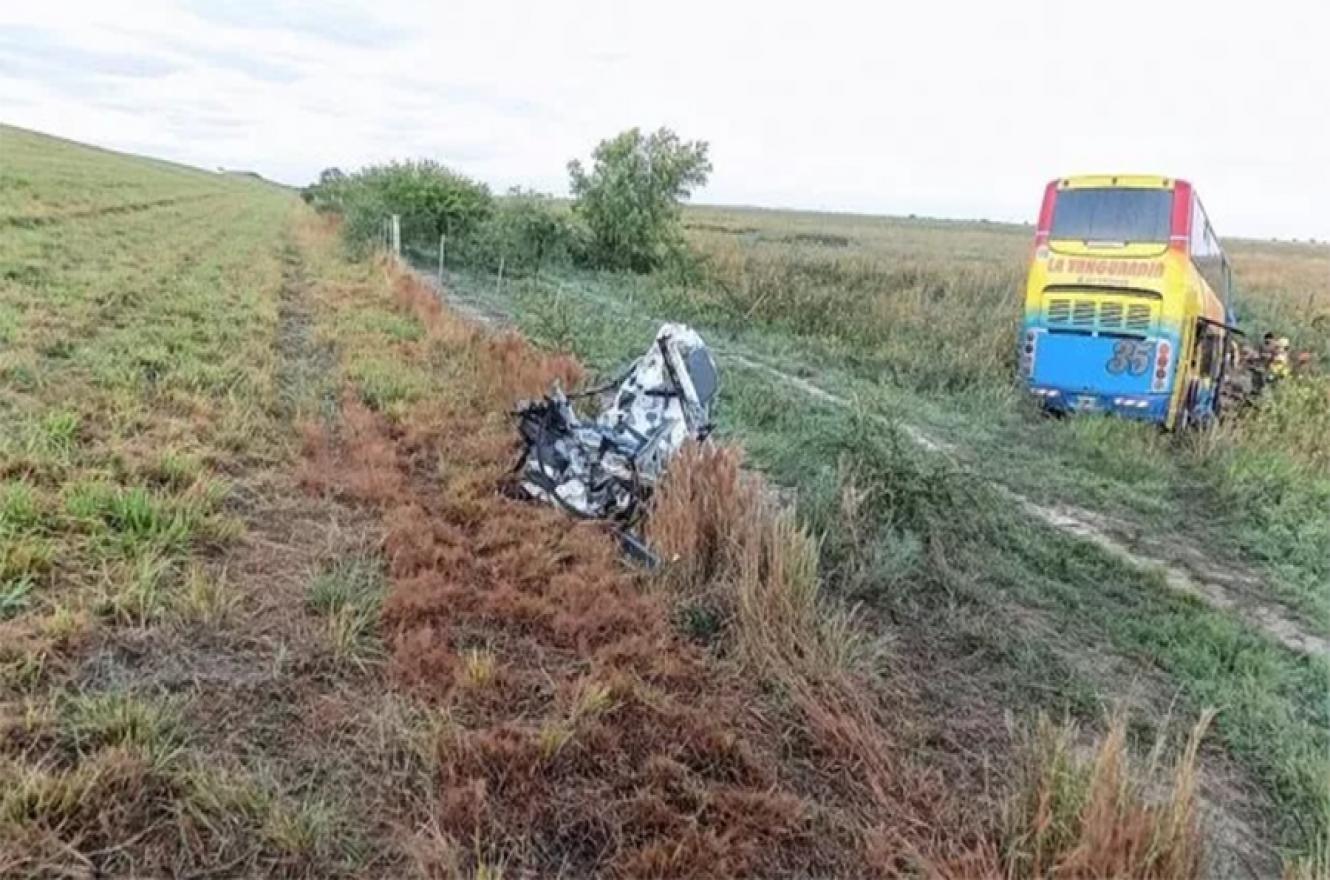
1313 865
731 549
1078 815
730 545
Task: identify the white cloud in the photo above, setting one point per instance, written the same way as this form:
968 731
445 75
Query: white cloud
959 109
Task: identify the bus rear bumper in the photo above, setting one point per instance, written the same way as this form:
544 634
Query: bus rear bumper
1144 407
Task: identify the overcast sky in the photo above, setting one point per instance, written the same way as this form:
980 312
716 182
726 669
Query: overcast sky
927 107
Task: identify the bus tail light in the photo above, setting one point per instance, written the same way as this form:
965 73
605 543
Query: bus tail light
1162 353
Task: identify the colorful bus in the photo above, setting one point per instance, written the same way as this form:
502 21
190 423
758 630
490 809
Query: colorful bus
1128 305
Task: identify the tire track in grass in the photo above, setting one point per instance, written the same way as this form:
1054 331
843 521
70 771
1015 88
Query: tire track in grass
1268 617
1223 594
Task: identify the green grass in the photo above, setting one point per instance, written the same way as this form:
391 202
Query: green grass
144 382
367 319
136 312
46 180
14 596
165 334
348 593
115 771
90 722
385 384
931 308
347 583
139 308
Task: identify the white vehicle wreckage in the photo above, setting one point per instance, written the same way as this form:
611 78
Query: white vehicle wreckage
606 467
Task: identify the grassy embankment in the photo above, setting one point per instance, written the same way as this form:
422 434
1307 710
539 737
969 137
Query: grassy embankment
915 320
192 672
160 676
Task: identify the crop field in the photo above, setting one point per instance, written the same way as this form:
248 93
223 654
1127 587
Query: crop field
264 610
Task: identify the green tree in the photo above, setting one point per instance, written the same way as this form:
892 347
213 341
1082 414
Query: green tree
531 230
432 199
630 199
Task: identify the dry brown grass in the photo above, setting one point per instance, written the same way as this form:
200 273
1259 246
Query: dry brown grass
731 546
881 286
580 733
1082 817
1313 866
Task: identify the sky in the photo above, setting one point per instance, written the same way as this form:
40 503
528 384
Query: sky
930 107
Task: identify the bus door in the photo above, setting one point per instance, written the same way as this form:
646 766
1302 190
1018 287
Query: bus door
1207 371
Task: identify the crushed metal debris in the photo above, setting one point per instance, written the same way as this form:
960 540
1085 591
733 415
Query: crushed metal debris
606 467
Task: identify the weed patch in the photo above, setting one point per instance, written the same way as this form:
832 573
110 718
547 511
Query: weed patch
1089 817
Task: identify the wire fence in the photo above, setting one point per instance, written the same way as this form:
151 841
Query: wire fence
392 243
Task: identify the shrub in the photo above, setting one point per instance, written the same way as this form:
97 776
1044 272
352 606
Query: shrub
431 199
529 230
328 195
630 198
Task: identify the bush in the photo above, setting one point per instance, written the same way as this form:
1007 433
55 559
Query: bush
431 200
328 194
630 199
529 230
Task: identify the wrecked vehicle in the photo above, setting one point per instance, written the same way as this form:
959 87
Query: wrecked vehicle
606 467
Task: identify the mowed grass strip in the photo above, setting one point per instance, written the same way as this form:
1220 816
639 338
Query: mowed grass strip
132 384
45 179
139 356
135 362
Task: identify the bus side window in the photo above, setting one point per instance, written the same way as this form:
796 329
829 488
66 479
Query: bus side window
1198 224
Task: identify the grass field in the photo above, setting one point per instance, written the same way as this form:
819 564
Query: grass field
945 291
913 322
264 613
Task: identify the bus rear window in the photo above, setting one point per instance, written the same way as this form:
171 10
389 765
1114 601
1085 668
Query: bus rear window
1111 214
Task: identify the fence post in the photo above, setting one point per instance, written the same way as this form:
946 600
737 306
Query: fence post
499 289
397 235
443 239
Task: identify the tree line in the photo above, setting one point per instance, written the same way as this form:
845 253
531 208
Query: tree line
624 213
